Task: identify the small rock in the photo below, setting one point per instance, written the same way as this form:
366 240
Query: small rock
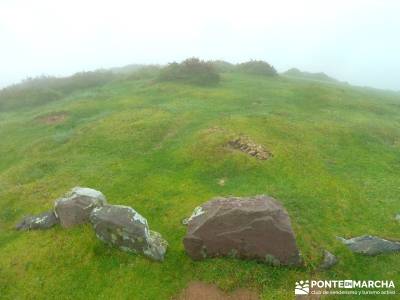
247 228
252 152
45 220
75 207
123 227
397 217
329 261
221 181
370 245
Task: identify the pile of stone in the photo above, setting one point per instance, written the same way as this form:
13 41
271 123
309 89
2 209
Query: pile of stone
249 147
116 225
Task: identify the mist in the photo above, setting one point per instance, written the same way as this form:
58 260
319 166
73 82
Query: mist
353 41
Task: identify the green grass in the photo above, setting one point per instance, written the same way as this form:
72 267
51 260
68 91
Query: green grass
336 169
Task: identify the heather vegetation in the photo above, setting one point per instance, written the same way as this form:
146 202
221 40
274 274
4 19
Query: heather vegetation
44 89
257 67
222 66
192 71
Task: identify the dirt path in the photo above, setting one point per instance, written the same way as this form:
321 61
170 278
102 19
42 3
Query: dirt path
198 290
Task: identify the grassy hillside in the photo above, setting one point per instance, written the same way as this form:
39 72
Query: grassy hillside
296 73
161 148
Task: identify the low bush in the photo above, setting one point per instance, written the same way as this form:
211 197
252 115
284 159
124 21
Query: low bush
222 66
192 71
16 97
145 72
257 67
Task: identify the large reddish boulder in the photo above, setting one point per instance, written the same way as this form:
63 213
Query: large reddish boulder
247 228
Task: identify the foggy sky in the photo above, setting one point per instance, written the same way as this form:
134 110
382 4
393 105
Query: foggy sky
354 40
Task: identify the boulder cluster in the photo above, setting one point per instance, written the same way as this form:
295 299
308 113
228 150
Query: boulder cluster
117 225
256 228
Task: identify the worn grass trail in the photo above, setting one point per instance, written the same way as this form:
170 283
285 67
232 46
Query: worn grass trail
161 148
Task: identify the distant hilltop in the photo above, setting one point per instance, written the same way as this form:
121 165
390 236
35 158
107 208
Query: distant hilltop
294 72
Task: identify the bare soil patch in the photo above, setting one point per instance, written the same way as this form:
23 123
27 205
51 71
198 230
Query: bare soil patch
309 297
198 290
54 118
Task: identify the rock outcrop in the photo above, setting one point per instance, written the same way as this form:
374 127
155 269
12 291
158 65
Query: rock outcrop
75 207
123 227
45 220
370 245
247 228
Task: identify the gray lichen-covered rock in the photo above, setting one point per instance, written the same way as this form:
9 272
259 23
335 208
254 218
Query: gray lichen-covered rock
329 261
45 220
247 228
75 207
370 245
123 227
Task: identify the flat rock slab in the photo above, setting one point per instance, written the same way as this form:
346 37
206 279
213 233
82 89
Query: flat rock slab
198 290
123 227
45 220
75 207
370 245
248 228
